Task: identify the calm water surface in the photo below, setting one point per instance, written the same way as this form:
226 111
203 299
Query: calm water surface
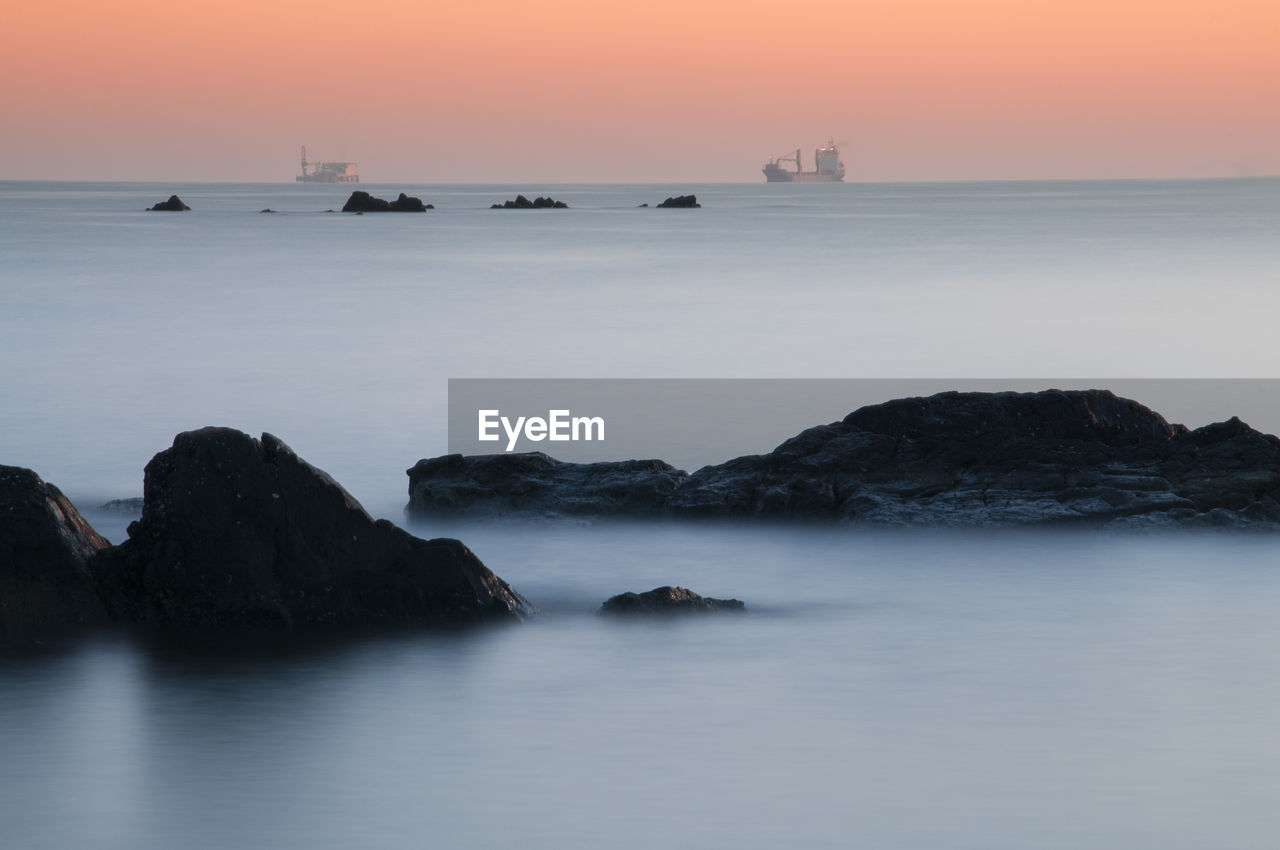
894 689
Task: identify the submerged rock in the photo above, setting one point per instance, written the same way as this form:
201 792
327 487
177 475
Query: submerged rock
681 201
174 204
667 600
236 530
523 203
957 459
362 202
45 551
533 483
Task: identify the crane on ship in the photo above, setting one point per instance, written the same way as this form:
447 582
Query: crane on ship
781 159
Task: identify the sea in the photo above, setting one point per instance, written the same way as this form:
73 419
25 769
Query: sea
890 688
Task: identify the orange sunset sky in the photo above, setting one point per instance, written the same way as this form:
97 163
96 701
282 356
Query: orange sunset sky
561 90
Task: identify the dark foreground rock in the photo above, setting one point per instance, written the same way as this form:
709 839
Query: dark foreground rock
681 202
174 204
523 203
959 459
533 483
667 600
238 531
45 550
362 202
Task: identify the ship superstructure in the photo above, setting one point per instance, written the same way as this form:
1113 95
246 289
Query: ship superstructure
827 167
327 172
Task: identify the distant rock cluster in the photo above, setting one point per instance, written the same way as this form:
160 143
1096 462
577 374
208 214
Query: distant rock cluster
361 201
523 203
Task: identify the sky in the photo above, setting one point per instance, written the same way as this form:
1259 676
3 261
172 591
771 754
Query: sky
419 91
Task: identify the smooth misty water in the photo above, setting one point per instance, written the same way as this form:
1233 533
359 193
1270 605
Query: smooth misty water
894 689
337 333
907 690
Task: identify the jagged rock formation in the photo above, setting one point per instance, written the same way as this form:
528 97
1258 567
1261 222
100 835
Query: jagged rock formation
534 483
667 600
362 202
239 531
964 459
45 550
523 203
681 201
174 204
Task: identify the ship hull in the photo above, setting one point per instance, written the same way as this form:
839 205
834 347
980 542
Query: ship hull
780 176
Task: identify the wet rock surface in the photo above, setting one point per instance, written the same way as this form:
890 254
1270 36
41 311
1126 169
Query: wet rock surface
681 202
45 552
667 600
241 531
533 483
952 459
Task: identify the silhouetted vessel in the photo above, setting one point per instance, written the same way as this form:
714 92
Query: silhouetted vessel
826 163
327 172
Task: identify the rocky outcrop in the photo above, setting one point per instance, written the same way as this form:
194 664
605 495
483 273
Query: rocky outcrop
681 202
523 203
174 204
962 459
533 483
1003 459
362 202
667 600
239 531
45 550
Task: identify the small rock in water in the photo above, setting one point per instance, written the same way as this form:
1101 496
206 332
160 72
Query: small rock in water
523 203
667 600
362 202
174 204
682 201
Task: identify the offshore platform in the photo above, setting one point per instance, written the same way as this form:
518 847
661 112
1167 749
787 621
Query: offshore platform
327 172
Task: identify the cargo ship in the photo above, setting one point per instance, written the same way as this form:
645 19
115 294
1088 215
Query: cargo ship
826 164
327 172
